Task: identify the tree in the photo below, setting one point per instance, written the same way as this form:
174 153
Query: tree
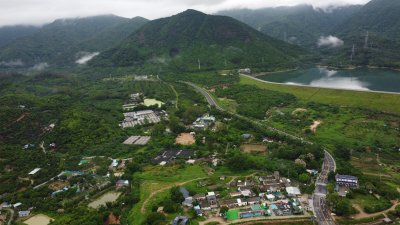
224 210
176 195
155 218
304 178
170 206
344 208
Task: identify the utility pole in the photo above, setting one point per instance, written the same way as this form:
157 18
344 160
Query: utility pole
198 60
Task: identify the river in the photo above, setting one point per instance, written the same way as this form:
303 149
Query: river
358 79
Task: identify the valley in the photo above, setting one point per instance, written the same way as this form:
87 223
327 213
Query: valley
244 116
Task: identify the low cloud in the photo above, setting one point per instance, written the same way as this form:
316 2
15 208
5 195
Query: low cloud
40 66
13 63
329 41
86 57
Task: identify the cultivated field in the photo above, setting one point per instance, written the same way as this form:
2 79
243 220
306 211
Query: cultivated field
253 148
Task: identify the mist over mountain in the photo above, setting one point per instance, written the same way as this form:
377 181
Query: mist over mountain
65 40
301 25
189 37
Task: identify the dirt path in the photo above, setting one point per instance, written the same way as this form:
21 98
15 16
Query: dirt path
362 214
143 208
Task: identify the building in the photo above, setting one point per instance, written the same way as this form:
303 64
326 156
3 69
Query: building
33 172
199 197
170 156
244 71
122 183
180 220
24 213
293 191
204 122
230 203
250 212
212 199
188 199
137 140
346 180
253 200
142 117
198 210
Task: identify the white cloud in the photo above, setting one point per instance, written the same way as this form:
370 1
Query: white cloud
13 63
329 41
40 66
86 57
44 11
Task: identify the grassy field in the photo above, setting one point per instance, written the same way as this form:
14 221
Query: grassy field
370 203
159 180
377 101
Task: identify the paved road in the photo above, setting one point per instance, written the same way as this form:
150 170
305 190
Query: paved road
321 210
208 97
212 102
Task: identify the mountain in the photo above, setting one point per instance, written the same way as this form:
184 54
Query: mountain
9 34
181 41
66 40
381 19
301 25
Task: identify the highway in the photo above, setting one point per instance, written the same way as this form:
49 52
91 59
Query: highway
321 211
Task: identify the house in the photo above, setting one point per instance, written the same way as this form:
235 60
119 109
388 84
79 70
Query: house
33 172
205 206
204 122
188 199
249 212
244 71
246 136
253 200
247 193
293 191
346 180
198 210
122 183
230 203
169 156
212 199
24 213
114 164
270 197
180 220
199 197
235 194
16 205
241 202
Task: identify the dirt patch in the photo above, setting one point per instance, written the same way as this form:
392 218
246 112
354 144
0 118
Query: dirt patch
21 117
315 125
253 148
58 185
39 219
299 110
185 139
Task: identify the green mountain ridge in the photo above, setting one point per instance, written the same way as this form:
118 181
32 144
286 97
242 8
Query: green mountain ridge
381 19
218 42
9 34
61 42
301 24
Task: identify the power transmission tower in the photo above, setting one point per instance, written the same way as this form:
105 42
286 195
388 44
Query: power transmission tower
366 40
352 53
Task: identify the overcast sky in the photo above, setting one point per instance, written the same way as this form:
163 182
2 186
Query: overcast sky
44 11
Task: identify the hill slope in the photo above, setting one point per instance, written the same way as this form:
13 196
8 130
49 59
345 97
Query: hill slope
381 19
9 34
64 41
302 24
181 41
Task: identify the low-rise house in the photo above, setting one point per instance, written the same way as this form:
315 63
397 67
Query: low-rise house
122 183
180 220
205 206
16 205
198 210
212 199
293 191
247 193
346 180
169 156
199 197
230 203
235 194
253 200
24 213
241 202
249 212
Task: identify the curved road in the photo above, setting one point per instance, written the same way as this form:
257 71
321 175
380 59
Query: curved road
321 210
